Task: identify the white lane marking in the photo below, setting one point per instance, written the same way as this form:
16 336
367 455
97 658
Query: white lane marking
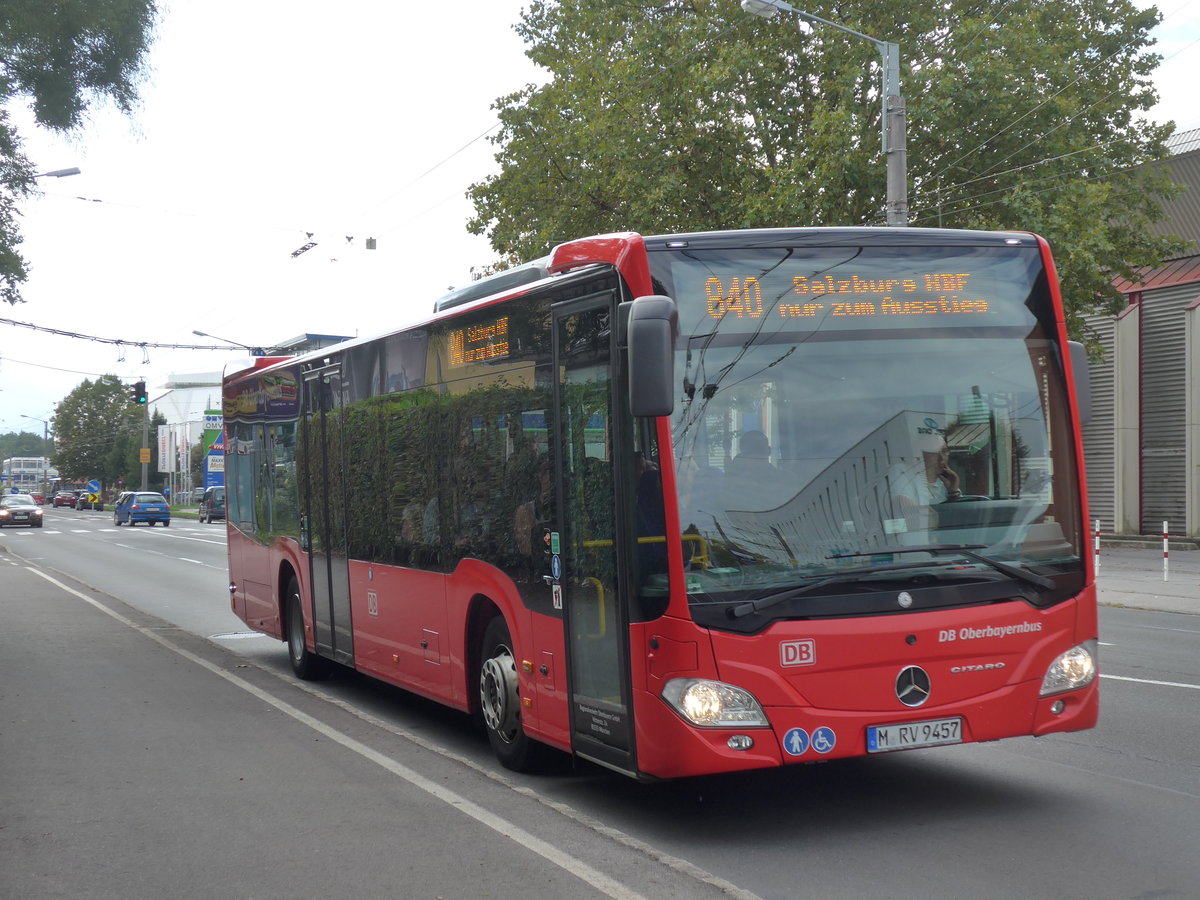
239 635
581 870
1194 687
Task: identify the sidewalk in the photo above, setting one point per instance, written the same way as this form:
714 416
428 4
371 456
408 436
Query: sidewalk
142 761
1133 577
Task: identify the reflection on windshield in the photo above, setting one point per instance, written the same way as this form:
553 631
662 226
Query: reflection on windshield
868 446
846 448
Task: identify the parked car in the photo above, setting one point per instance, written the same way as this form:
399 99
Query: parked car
141 506
64 498
19 509
212 507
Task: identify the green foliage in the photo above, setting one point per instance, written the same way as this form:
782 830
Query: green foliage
97 432
693 115
24 443
62 56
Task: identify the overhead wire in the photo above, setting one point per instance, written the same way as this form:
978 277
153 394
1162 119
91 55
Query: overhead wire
121 342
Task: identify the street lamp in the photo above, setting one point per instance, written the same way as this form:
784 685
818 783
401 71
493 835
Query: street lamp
45 460
58 173
893 105
254 351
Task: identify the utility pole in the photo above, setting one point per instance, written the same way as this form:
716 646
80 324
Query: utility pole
140 398
894 122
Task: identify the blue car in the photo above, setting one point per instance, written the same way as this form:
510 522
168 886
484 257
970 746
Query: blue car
141 506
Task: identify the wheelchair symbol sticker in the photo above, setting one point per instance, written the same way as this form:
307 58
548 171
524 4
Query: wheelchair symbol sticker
824 739
795 742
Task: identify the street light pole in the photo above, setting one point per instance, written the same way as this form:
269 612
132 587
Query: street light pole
894 122
58 173
45 459
254 351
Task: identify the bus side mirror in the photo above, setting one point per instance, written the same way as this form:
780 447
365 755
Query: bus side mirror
653 323
1083 381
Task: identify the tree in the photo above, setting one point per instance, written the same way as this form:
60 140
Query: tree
94 427
692 115
24 443
62 56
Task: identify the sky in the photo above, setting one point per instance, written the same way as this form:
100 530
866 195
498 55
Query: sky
263 122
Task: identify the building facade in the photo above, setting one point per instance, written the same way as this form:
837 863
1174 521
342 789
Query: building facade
25 474
1142 442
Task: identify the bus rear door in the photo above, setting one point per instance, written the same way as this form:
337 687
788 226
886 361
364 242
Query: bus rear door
324 514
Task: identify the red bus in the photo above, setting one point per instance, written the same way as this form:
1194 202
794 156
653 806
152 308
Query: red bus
692 503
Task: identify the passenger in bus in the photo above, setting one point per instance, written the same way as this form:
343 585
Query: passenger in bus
531 525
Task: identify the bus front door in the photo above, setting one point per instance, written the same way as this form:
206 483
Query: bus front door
585 552
324 499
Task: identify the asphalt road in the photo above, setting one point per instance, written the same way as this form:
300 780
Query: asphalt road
151 748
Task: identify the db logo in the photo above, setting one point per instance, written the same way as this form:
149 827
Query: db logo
372 603
798 653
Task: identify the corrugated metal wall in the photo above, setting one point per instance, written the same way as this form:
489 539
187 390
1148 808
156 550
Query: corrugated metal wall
1099 432
1163 392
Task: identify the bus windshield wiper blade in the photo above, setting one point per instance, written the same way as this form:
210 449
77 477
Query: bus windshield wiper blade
967 550
846 576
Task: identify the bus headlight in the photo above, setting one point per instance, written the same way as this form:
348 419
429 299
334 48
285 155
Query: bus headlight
712 704
1074 669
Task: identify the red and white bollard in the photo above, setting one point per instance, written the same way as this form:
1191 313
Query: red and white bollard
1096 547
1165 547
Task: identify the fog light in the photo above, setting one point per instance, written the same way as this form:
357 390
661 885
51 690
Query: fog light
1057 707
740 742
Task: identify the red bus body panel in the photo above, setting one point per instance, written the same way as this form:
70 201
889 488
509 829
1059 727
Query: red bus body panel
413 629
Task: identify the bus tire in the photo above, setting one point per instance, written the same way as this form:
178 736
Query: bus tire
306 664
500 702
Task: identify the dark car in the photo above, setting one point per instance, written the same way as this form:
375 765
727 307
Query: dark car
64 498
141 506
212 507
87 500
197 496
20 509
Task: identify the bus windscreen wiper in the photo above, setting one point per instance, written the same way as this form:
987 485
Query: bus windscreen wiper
851 575
845 576
967 550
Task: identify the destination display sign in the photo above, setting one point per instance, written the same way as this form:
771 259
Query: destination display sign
770 291
483 342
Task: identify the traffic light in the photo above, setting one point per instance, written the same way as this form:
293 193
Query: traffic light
139 392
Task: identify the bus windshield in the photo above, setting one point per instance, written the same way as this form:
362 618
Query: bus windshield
857 420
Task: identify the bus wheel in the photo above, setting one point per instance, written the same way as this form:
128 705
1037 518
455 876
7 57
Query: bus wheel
306 664
500 702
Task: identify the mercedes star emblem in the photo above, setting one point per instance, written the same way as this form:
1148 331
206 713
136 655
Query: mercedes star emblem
912 686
